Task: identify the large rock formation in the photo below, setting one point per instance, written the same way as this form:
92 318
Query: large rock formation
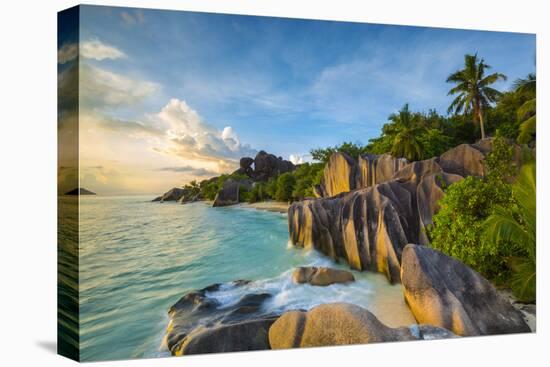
341 324
321 276
373 169
245 166
444 292
229 194
369 226
338 175
268 165
200 324
343 173
174 194
181 195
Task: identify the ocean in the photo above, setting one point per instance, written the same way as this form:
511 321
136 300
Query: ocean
137 258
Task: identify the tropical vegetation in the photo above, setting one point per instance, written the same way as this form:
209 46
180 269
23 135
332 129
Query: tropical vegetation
527 111
515 226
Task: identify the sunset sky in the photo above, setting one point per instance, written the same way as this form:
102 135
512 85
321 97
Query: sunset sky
169 96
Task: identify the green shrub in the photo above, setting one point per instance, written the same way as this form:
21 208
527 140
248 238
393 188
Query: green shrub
459 225
209 190
271 187
285 187
307 175
244 194
258 193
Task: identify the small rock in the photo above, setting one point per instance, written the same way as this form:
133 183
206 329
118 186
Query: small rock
321 276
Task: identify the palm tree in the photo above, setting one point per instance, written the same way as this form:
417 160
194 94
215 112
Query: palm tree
406 142
527 113
518 227
473 89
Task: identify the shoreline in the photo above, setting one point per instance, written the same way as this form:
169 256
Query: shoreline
270 206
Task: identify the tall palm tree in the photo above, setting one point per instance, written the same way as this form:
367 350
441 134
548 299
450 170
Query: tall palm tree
527 113
473 89
518 227
406 142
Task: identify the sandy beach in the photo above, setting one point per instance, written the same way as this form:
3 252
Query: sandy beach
272 206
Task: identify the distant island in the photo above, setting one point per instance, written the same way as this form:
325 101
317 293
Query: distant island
80 191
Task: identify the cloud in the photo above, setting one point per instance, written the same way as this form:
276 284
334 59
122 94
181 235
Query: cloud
177 132
296 158
100 88
193 138
134 129
97 50
91 49
201 172
132 18
67 52
368 85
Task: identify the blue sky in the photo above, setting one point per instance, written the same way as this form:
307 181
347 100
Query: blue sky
288 85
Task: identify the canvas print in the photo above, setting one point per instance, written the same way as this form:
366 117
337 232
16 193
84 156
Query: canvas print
234 183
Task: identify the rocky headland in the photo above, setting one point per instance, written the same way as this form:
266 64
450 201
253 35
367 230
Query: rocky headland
79 191
251 171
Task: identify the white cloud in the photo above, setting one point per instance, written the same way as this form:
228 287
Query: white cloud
100 88
91 49
97 50
67 52
133 17
296 159
299 158
192 138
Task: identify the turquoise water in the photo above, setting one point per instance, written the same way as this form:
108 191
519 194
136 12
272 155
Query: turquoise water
137 258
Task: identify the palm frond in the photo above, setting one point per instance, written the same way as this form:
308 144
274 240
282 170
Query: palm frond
528 84
457 104
491 94
528 108
518 227
493 78
462 87
524 279
502 226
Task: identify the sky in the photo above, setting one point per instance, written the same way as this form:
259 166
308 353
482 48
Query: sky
169 96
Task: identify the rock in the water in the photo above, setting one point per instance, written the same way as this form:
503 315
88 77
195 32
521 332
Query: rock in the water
340 324
189 198
237 337
321 276
367 227
174 194
80 191
199 323
444 292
